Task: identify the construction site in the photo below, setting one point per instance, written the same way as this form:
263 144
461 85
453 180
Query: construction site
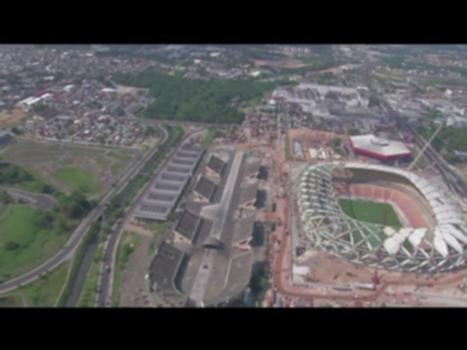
310 262
207 258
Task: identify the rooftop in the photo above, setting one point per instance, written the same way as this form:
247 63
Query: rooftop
379 145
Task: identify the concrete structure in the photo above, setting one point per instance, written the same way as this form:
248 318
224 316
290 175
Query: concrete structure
379 148
436 247
29 102
212 258
165 190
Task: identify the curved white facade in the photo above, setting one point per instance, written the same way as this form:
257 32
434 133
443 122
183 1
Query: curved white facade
326 226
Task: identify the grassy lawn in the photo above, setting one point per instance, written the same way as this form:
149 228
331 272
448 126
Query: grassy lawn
78 179
3 209
41 293
11 301
373 212
25 241
127 245
67 166
89 293
288 153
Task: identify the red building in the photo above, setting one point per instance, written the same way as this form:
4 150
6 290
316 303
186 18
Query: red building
378 148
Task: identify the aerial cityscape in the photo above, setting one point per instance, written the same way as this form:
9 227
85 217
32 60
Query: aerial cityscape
267 176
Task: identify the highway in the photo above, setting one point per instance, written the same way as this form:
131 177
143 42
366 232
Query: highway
67 251
110 256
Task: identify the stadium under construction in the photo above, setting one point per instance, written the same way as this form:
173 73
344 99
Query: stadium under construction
431 237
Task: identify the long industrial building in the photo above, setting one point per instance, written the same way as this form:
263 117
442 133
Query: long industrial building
211 260
163 193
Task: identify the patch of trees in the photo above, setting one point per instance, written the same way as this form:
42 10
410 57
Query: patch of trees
259 282
151 131
11 175
5 198
326 78
11 246
75 205
213 100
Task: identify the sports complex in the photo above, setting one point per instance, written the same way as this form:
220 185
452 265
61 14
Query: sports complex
379 216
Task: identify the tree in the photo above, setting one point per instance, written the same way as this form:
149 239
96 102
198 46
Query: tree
11 246
76 205
5 198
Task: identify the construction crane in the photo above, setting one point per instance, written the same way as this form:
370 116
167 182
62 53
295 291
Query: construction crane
428 143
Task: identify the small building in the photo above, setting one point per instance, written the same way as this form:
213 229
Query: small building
29 102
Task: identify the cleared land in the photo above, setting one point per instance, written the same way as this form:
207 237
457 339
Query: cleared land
68 167
41 293
12 118
27 237
373 212
77 179
126 247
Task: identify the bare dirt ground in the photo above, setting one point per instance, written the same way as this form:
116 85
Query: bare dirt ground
316 139
132 294
11 118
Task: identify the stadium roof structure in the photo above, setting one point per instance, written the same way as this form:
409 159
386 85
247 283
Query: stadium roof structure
243 228
379 148
442 247
217 165
206 188
163 271
188 225
158 201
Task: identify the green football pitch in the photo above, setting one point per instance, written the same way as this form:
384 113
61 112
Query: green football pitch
369 211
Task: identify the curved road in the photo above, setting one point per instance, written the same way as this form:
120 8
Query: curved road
67 251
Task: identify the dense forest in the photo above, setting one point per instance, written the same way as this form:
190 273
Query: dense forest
214 101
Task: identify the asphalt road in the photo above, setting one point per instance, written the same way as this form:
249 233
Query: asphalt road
105 286
67 251
38 200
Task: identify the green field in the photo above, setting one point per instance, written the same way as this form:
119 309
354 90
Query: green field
67 167
27 237
373 212
41 293
78 179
